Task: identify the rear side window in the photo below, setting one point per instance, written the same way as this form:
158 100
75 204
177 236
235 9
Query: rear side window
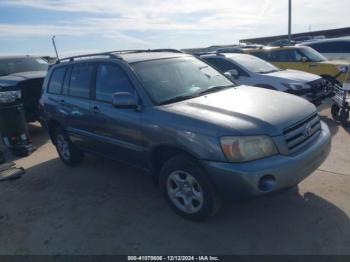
65 88
110 79
221 64
286 56
56 81
80 81
224 65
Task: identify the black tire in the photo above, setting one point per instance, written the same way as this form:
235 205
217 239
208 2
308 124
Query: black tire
331 82
335 112
344 116
201 187
73 156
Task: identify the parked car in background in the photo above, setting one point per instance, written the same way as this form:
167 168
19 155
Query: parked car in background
300 39
282 42
21 77
174 116
250 70
305 59
333 49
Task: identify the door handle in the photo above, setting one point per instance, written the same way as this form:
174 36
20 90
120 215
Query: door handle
96 110
62 102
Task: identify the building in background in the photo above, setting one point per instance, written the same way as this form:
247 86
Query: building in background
332 33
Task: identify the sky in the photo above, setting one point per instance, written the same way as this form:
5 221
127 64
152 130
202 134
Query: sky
82 26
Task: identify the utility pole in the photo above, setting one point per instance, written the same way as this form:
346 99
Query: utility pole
290 22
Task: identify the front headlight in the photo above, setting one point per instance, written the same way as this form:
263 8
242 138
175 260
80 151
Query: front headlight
343 68
242 149
10 96
296 86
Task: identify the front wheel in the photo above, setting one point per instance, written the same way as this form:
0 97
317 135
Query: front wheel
69 154
335 112
331 82
344 116
187 189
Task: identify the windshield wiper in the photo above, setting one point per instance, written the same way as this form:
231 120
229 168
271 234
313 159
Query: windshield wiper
213 90
186 97
177 99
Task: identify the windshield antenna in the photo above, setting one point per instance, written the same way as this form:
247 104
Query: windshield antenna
54 45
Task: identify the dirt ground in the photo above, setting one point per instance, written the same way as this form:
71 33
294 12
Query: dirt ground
104 207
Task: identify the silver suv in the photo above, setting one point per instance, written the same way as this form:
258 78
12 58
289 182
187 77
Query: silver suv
199 136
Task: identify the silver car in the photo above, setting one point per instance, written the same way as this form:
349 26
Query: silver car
250 70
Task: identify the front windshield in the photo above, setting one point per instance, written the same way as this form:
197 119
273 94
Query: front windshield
183 78
312 54
18 65
254 64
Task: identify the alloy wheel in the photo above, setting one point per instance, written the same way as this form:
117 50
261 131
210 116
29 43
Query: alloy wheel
63 147
185 192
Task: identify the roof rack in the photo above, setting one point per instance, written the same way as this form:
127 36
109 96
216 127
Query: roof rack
116 54
148 50
72 58
219 52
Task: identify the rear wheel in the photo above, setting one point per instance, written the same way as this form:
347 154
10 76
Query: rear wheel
187 188
68 153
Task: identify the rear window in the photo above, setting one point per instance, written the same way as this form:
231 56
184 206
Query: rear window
56 81
18 65
80 81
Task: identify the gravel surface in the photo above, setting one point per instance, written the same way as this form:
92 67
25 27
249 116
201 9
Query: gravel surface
103 207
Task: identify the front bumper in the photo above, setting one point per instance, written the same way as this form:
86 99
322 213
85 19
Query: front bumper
241 180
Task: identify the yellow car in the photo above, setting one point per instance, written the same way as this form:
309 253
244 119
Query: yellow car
305 59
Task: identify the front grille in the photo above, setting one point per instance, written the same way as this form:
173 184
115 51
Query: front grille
298 135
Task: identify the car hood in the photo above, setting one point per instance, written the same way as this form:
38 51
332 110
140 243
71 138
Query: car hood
294 76
335 62
14 79
246 110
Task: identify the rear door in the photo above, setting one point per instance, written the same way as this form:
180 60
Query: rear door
75 102
116 130
53 94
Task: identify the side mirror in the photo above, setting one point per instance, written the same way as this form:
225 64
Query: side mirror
124 100
233 74
304 59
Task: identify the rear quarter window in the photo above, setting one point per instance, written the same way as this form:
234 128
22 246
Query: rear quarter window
56 81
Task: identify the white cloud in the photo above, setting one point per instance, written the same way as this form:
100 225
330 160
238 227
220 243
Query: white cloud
225 20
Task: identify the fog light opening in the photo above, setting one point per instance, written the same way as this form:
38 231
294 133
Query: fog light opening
267 183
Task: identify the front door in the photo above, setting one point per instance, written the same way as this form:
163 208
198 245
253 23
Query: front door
116 130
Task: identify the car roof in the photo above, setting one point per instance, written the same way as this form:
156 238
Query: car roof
17 57
226 55
146 56
330 40
274 48
129 56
